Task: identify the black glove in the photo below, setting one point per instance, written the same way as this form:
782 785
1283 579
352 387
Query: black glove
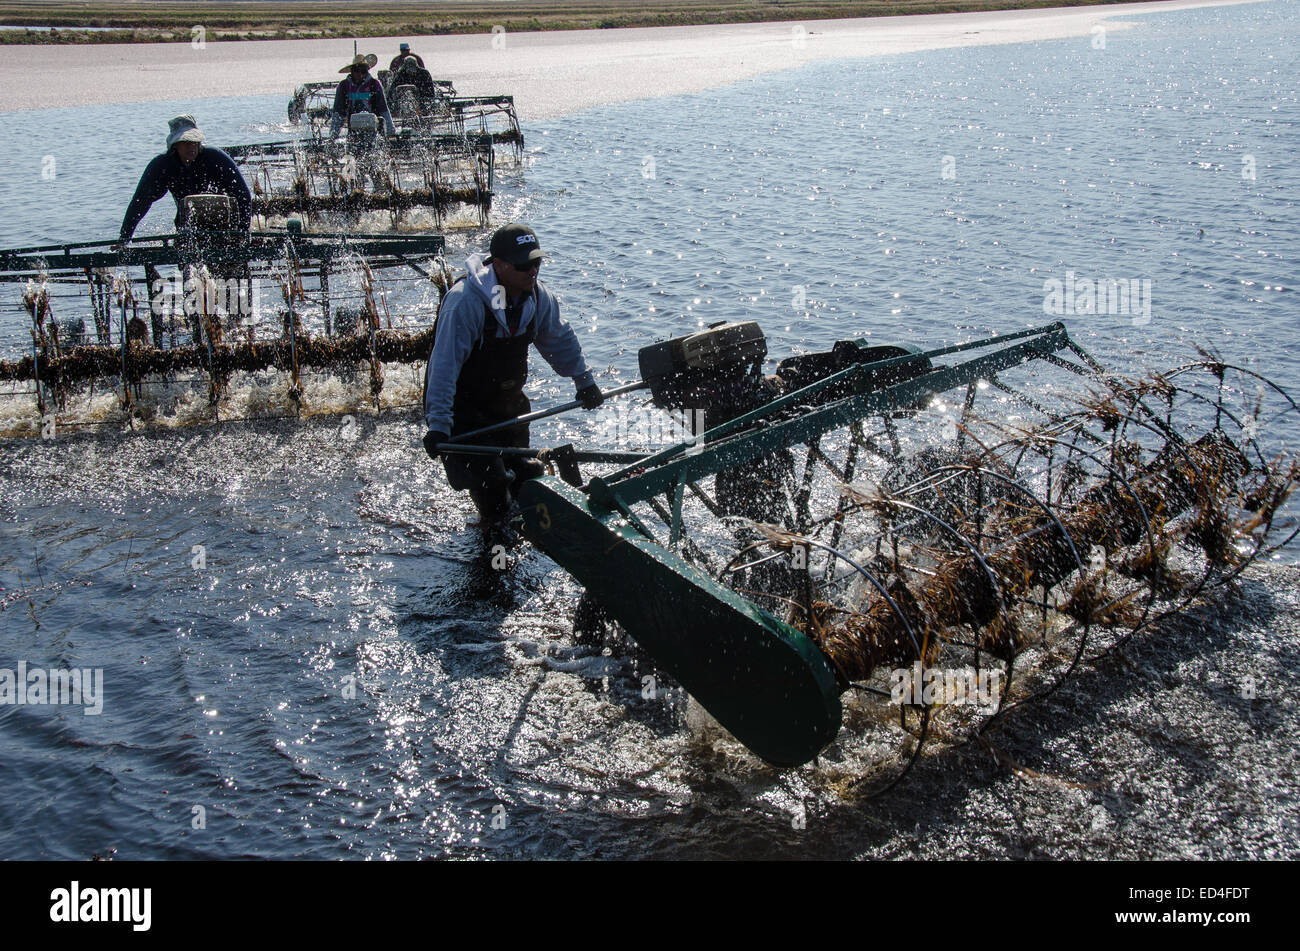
431 441
591 396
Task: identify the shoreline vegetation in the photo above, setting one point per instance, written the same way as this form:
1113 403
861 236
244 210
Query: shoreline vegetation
58 22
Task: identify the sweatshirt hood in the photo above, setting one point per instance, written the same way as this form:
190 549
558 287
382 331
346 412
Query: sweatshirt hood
480 276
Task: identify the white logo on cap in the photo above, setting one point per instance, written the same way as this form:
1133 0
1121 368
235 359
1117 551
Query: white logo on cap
526 239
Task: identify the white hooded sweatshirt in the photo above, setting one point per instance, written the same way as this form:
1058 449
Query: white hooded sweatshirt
460 328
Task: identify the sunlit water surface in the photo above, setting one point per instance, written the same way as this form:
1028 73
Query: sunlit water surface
300 644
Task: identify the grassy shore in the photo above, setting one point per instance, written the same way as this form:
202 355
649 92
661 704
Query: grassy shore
134 21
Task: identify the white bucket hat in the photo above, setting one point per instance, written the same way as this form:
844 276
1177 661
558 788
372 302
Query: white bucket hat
183 129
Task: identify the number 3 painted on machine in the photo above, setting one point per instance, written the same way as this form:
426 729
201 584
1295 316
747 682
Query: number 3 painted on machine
544 522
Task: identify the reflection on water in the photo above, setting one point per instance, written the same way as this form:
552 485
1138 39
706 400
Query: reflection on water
299 634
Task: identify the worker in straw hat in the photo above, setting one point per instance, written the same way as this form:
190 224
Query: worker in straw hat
360 92
188 167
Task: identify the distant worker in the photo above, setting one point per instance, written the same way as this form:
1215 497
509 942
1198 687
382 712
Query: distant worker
403 51
479 365
188 167
360 92
412 73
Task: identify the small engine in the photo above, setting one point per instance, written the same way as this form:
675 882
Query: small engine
363 122
210 212
719 370
699 369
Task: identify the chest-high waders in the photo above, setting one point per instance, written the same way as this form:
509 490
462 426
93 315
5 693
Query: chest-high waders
490 389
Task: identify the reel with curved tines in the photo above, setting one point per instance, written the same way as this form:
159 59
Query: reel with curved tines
913 677
878 549
1200 460
967 583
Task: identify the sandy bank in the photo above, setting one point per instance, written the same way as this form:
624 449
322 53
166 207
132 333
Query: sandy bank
550 74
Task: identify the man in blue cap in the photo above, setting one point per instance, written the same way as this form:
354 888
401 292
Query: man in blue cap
479 365
188 167
403 51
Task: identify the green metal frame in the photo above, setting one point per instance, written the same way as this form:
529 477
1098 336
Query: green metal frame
739 441
411 138
379 250
762 679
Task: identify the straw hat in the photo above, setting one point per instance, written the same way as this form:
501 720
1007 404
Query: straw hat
368 61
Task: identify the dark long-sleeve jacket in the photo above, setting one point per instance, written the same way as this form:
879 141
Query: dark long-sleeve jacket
420 78
211 172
